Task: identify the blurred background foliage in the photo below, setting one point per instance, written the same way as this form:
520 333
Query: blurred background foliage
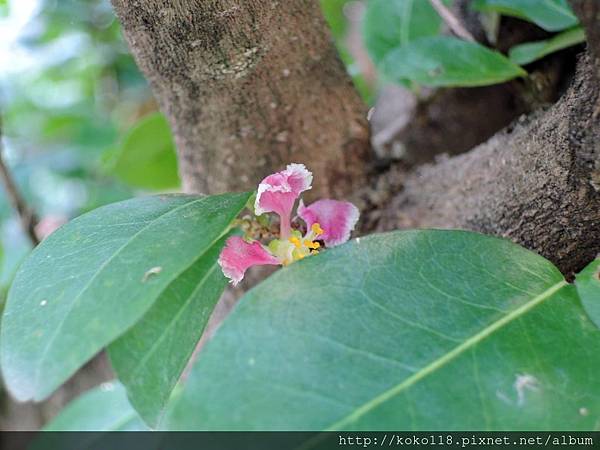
73 103
79 125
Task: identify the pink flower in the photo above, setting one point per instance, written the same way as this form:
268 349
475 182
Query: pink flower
337 219
238 255
278 192
330 221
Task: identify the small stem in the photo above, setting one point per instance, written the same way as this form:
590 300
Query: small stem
452 21
285 229
26 215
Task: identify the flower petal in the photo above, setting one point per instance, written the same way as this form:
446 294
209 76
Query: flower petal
278 192
238 255
336 218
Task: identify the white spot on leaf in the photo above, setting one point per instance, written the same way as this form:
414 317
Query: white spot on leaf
522 383
107 387
150 272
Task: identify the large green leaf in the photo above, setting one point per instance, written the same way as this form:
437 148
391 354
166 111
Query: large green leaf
588 287
448 61
147 159
414 330
104 408
552 15
94 278
150 357
389 24
532 51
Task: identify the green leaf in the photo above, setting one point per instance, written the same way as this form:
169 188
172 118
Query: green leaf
413 330
588 287
333 10
389 24
532 51
447 61
104 408
551 15
150 357
95 277
147 157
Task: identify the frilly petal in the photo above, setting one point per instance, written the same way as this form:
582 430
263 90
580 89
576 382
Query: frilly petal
238 255
278 192
336 218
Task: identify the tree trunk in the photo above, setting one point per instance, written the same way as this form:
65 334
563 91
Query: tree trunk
249 87
537 182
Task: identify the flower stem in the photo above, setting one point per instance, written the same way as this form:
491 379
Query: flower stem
285 227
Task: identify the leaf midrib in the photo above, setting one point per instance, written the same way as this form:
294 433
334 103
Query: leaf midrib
445 359
91 280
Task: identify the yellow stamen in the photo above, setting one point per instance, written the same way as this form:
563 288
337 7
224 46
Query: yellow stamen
310 244
316 228
294 240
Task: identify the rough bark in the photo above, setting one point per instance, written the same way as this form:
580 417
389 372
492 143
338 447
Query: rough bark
537 182
249 87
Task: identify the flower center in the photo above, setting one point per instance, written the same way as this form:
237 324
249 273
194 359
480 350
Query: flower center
306 245
297 247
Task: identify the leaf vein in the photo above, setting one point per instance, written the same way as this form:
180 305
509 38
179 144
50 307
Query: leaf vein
445 359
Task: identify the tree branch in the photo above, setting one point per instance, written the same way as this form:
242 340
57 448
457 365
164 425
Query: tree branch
537 182
26 215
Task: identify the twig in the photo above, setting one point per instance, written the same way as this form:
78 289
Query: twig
26 215
452 21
